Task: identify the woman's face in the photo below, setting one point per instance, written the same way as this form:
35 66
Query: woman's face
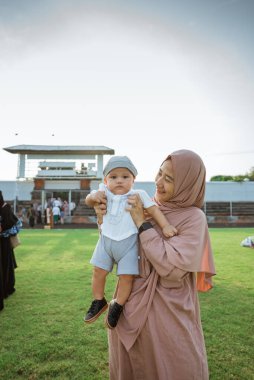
164 182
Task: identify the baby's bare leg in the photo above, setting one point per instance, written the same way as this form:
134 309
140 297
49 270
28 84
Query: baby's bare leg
124 288
98 282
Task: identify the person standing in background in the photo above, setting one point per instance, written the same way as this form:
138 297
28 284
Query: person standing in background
8 262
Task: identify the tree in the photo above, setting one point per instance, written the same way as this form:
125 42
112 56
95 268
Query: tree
237 178
251 174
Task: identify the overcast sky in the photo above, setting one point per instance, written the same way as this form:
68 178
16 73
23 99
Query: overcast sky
144 77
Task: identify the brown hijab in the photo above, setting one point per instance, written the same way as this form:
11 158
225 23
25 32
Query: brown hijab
192 246
189 179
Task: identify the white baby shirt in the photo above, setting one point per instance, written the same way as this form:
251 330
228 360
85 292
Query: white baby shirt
118 223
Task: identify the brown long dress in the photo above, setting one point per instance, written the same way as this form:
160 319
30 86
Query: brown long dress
159 334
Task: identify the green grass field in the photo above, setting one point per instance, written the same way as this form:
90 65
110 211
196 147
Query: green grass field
42 334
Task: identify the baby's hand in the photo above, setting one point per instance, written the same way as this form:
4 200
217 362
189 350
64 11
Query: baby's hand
169 231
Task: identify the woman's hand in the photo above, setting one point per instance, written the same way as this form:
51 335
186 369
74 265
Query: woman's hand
136 209
98 201
93 199
100 210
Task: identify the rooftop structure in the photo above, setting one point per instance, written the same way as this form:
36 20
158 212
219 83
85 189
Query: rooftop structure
60 149
88 160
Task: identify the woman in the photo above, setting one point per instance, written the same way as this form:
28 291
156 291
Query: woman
8 262
159 334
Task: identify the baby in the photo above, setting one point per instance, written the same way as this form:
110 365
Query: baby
118 242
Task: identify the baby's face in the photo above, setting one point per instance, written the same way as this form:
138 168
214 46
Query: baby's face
119 181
